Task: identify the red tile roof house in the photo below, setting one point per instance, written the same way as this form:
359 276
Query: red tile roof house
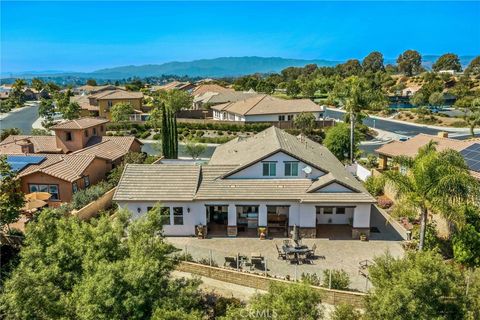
78 155
469 149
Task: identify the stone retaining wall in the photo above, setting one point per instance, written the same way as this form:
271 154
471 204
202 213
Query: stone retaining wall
330 296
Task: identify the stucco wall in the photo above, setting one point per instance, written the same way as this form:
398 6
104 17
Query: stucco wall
274 117
361 216
105 109
334 187
79 139
300 214
256 170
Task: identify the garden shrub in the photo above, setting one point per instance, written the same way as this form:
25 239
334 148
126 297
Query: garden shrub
83 197
345 311
340 279
375 185
311 278
384 202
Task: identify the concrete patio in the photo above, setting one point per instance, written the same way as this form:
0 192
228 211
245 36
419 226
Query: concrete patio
335 250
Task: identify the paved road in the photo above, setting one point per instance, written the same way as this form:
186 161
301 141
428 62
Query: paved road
22 119
399 128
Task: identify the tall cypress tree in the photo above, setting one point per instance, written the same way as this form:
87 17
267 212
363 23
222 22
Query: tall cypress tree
175 135
165 136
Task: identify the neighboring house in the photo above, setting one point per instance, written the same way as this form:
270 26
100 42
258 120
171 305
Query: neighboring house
210 98
87 89
86 109
174 85
273 180
4 95
78 149
59 175
469 149
410 91
203 88
265 108
106 99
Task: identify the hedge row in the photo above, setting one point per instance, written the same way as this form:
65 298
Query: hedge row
249 127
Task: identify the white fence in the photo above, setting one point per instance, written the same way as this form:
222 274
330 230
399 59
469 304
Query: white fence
359 171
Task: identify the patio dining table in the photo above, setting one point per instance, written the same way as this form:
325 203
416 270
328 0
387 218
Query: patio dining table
296 251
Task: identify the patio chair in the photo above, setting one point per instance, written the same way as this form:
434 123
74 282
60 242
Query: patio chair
258 263
286 243
281 255
311 252
292 257
302 257
230 261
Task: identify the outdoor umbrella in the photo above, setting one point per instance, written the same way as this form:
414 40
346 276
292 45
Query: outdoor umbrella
38 196
295 234
33 204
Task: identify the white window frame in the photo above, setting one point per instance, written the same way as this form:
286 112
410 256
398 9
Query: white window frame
178 215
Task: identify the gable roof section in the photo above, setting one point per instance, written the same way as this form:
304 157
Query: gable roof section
212 87
158 182
81 123
108 148
13 143
266 104
116 94
247 151
169 182
327 180
410 147
65 167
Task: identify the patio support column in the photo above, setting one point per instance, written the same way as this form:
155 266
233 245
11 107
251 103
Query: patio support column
262 215
361 220
232 220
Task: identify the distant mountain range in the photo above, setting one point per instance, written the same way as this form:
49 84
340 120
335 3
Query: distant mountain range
213 68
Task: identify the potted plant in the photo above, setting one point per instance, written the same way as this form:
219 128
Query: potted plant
200 232
363 237
262 231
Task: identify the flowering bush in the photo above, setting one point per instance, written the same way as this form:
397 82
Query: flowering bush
384 202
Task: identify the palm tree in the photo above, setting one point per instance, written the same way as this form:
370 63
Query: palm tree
357 95
434 182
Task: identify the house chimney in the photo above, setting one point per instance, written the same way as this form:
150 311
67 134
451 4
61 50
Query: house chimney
443 134
26 145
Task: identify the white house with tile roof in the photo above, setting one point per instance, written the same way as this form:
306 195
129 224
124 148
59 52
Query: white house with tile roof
272 180
265 108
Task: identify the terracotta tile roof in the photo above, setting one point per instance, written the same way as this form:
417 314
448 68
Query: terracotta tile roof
81 123
108 148
116 94
66 167
12 144
265 104
224 97
84 103
201 89
410 147
172 85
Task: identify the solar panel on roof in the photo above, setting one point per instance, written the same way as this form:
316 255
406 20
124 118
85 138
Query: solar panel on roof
472 156
18 163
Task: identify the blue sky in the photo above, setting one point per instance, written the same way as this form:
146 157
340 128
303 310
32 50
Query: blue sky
84 36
